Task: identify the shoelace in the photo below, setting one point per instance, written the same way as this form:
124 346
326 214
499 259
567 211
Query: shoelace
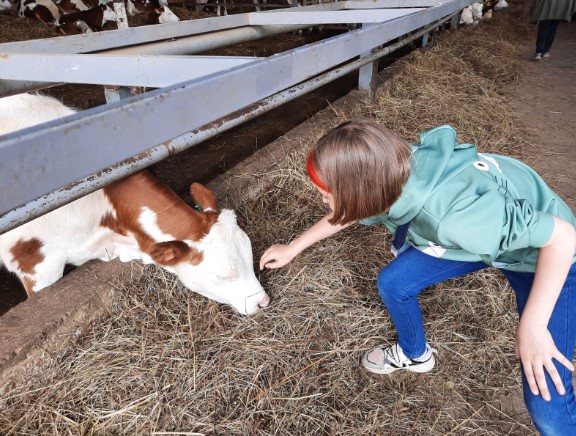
392 356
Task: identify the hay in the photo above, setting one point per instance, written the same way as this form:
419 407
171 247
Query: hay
165 361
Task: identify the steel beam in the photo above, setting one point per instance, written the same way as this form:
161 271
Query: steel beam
330 17
144 71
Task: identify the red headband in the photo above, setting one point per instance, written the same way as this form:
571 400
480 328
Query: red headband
313 174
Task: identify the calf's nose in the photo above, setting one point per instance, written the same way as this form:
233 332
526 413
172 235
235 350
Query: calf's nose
264 302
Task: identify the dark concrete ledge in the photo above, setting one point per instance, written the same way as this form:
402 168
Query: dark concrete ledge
50 319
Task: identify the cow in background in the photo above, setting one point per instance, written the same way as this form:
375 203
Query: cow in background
158 12
45 11
137 218
90 15
91 20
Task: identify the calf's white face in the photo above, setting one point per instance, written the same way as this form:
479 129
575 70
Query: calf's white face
226 272
167 16
204 247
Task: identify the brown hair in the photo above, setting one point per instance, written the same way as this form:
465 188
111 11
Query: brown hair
364 166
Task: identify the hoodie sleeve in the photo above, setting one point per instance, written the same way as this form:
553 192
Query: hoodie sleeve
490 223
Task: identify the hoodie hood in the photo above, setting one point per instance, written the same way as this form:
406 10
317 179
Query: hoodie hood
431 164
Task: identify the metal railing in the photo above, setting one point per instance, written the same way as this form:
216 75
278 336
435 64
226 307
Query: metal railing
94 147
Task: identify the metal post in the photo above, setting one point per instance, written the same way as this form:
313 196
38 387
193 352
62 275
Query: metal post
115 93
454 22
121 17
368 74
425 39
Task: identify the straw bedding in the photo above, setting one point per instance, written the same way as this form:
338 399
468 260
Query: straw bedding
165 361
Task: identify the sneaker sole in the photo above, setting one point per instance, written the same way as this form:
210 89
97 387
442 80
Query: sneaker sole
420 368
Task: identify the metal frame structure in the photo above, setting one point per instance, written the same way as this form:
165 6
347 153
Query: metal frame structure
48 165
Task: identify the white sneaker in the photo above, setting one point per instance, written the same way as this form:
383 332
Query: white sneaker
538 56
385 360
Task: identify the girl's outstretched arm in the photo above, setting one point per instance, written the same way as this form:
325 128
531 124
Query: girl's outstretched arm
534 344
279 255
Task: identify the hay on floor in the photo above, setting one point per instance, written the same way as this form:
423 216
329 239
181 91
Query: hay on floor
165 361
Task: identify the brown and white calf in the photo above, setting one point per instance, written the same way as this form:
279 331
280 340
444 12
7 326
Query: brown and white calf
91 20
41 10
70 6
137 218
158 13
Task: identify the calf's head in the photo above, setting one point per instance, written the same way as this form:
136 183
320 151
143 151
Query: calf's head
162 15
218 265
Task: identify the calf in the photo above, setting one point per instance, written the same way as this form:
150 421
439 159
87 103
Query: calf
71 6
42 10
91 20
477 11
500 4
135 218
158 12
466 16
164 14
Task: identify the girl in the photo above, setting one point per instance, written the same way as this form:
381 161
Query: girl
454 211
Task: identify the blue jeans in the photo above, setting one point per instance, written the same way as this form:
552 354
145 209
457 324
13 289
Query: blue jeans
403 279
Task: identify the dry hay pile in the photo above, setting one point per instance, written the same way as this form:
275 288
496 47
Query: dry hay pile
165 361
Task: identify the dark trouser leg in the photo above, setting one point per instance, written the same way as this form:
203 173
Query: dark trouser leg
546 33
551 35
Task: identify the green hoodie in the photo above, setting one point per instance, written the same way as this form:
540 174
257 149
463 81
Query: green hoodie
469 206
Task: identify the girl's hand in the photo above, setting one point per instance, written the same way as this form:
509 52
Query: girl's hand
277 256
536 349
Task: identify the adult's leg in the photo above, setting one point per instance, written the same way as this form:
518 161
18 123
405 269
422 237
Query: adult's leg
542 35
557 416
402 280
550 35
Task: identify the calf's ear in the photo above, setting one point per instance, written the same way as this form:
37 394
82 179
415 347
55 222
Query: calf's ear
172 252
205 198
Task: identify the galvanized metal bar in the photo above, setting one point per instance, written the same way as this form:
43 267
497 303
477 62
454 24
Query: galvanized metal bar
145 71
98 41
330 17
24 153
181 46
378 4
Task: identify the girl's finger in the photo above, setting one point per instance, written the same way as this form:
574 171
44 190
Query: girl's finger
563 360
540 379
553 373
530 378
